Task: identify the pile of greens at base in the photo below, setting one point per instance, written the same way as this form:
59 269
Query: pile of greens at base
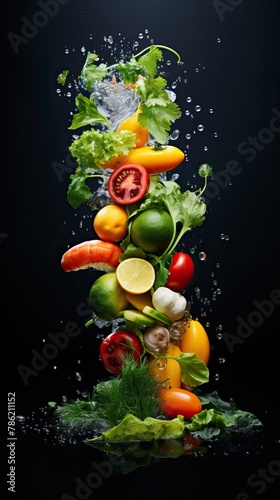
127 407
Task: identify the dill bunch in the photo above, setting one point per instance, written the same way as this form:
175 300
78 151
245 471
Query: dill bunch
132 391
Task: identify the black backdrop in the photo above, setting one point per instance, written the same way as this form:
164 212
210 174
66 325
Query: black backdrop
230 51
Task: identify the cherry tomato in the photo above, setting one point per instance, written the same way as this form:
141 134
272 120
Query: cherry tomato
180 271
116 345
195 339
128 183
176 401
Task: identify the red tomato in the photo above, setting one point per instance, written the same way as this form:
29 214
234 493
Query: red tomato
180 271
177 401
116 345
128 183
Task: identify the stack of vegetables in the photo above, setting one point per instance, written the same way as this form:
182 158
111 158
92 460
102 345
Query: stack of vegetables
156 355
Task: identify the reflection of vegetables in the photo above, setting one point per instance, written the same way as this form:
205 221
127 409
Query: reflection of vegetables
154 159
116 345
180 271
156 338
101 255
177 401
128 183
170 303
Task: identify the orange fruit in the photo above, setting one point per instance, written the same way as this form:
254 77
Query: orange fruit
110 223
135 275
152 230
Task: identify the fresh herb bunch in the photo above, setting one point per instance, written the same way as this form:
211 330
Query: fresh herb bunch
133 391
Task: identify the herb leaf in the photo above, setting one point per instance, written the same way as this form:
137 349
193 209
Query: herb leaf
88 114
91 72
61 79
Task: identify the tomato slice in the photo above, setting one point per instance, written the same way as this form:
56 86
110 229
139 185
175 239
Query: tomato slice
128 183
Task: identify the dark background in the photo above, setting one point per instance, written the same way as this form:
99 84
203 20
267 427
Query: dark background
231 58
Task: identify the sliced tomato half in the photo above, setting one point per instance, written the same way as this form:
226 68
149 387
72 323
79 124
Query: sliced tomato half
128 183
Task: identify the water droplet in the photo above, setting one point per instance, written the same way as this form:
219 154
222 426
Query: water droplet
202 256
20 418
217 265
140 36
205 148
218 40
197 108
83 50
219 336
215 134
217 376
161 363
189 99
218 291
200 128
222 236
66 51
175 134
211 110
188 136
221 360
78 376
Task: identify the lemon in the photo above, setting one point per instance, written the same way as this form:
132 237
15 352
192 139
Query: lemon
107 298
135 275
152 230
110 223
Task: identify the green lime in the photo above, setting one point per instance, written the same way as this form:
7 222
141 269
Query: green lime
107 298
152 230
